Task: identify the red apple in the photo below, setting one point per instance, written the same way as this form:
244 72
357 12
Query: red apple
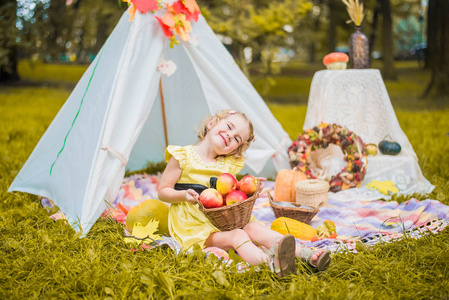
235 197
226 183
248 184
211 198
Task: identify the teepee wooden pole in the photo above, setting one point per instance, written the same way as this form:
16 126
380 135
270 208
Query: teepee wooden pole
164 119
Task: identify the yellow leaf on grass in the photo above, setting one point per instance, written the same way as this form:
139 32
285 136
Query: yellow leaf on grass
149 230
144 234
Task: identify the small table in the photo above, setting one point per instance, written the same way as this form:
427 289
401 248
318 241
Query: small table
359 100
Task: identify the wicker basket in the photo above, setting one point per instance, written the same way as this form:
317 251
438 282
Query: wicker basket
232 216
312 192
301 214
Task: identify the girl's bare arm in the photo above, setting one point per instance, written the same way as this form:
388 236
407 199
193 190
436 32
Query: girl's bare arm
166 191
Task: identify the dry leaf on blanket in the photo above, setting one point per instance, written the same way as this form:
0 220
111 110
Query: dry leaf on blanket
385 187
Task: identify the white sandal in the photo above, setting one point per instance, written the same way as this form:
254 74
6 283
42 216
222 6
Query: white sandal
283 249
321 263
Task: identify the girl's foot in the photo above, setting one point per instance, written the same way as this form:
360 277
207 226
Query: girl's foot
319 259
283 255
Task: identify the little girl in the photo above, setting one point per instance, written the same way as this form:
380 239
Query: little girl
223 140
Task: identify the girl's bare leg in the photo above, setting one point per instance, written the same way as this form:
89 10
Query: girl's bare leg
265 237
238 240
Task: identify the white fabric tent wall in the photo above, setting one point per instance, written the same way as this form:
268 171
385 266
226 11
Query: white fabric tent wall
120 111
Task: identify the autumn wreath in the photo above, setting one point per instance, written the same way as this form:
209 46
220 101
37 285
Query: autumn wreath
319 138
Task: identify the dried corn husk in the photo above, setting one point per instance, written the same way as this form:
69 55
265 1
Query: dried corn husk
355 11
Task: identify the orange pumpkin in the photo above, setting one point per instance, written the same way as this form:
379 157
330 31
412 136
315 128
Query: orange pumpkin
284 186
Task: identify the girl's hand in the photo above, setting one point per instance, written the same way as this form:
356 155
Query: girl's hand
192 196
261 179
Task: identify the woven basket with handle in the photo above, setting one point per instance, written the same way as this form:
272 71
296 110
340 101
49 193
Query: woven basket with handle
232 216
312 192
298 213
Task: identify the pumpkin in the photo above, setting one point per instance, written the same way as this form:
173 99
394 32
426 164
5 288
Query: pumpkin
284 186
389 147
336 61
296 228
371 149
146 211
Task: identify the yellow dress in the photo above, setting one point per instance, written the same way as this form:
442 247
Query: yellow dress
187 223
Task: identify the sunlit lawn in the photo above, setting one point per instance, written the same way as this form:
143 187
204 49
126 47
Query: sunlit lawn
42 259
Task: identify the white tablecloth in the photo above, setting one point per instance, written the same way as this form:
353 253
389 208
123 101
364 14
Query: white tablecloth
359 100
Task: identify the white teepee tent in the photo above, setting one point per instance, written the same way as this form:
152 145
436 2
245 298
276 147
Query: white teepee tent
115 114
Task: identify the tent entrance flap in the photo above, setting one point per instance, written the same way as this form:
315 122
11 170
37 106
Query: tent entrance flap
184 106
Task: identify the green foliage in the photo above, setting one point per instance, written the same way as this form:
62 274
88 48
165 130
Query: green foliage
262 26
42 259
55 31
8 46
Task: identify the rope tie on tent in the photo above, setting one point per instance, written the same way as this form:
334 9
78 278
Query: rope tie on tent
281 146
78 112
117 154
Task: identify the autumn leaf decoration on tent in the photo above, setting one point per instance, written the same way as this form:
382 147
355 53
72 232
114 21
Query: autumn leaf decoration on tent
175 22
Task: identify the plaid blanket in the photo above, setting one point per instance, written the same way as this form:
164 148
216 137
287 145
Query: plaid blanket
356 221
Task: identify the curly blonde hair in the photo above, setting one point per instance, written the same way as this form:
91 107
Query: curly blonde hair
223 114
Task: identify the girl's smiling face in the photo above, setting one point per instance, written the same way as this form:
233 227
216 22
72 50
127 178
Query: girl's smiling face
228 134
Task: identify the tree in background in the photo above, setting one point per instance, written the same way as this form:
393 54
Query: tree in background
438 16
261 27
93 22
44 28
337 17
8 44
431 34
388 70
61 30
408 28
403 32
322 30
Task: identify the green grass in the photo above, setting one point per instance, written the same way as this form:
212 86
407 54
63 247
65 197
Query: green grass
43 259
47 72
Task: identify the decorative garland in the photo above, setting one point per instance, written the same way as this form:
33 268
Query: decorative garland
176 20
319 138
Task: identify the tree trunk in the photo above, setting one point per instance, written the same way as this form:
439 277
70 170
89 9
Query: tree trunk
438 87
59 18
332 35
102 36
242 61
389 71
312 45
372 38
8 70
8 48
431 34
311 51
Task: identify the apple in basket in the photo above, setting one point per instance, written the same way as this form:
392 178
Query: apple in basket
226 183
224 199
211 198
248 184
235 197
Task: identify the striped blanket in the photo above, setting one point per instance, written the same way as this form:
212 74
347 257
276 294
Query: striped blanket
357 221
